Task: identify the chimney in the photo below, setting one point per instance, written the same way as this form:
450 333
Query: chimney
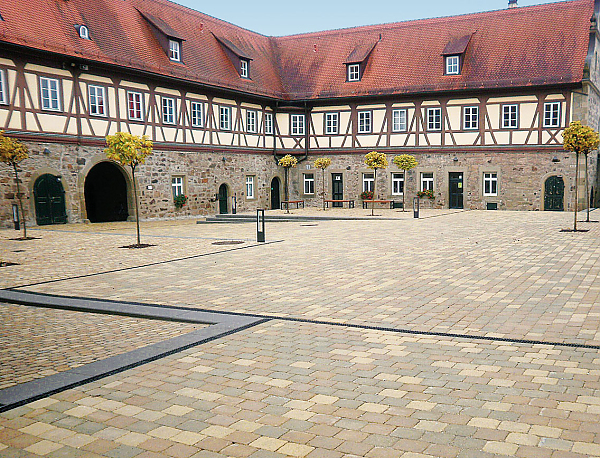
512 3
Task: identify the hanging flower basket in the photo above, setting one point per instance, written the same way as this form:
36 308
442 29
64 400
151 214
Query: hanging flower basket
426 193
366 195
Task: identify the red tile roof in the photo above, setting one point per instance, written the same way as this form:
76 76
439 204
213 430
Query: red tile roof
527 46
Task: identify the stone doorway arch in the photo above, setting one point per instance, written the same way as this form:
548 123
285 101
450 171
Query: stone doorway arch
105 192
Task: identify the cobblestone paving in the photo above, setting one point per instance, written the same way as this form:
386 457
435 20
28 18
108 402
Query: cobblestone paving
302 390
37 342
502 274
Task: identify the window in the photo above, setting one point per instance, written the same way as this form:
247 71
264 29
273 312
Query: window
244 73
3 87
434 119
397 184
297 124
364 122
331 123
268 123
368 182
471 118
552 114
398 120
452 65
84 32
309 183
168 107
177 186
490 184
175 50
353 72
225 118
134 106
97 100
510 116
251 121
197 109
427 181
50 96
250 187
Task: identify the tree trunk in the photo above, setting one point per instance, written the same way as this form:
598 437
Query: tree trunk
20 199
374 187
404 191
587 190
323 170
575 207
287 191
137 210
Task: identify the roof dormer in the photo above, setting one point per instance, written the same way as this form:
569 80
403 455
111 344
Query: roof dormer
356 62
170 40
83 31
238 57
454 54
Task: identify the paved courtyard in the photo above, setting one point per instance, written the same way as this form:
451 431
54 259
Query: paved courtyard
462 334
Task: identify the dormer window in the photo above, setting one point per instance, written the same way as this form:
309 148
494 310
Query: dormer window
175 50
84 32
452 65
244 68
353 72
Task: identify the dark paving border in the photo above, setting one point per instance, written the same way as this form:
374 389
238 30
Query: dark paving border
220 325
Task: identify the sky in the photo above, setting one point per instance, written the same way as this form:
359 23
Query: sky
288 17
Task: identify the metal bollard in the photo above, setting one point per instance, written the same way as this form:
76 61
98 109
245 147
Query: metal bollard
416 202
15 211
260 225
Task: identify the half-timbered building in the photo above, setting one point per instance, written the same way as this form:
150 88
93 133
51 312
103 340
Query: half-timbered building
480 100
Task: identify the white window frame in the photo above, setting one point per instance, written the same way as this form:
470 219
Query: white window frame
453 65
175 50
50 101
197 114
169 111
365 124
250 187
268 123
368 181
309 183
471 118
427 181
490 181
297 124
353 72
512 110
552 114
244 68
3 88
400 120
84 32
137 99
97 100
397 183
434 119
332 123
251 121
177 185
225 118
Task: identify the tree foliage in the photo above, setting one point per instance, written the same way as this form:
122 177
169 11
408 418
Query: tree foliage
128 149
322 163
12 152
405 162
376 160
288 161
580 138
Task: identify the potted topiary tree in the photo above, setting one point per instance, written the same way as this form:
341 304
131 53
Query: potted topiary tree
322 163
288 161
375 160
405 162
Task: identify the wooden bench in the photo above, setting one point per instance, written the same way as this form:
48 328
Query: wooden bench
390 202
335 201
286 203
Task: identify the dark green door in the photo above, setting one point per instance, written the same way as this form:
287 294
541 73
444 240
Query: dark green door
456 189
49 197
337 190
223 199
554 192
275 194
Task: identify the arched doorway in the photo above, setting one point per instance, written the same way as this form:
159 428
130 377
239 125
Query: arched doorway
223 194
106 193
275 194
554 193
49 197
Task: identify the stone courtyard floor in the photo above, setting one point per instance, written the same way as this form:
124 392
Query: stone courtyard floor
462 334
